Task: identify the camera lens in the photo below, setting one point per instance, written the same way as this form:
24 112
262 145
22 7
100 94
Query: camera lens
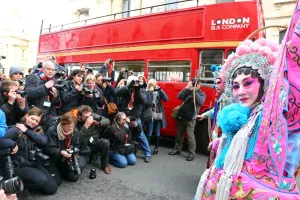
12 186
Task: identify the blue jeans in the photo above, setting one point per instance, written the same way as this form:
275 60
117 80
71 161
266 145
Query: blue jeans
120 160
156 125
143 140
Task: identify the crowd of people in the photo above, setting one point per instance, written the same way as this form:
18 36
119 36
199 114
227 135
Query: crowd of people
53 124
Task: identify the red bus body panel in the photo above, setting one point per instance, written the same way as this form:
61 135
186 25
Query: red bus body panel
166 36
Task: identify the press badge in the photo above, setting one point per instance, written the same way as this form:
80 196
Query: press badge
47 103
91 139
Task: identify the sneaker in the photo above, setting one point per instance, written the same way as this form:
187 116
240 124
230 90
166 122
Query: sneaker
174 152
190 158
24 195
155 151
148 159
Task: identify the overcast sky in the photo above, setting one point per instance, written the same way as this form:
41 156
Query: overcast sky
32 12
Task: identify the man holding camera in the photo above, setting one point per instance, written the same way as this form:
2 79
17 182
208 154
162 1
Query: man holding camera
186 117
91 126
135 98
41 91
72 91
108 69
12 101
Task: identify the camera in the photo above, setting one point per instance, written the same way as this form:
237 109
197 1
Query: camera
12 185
6 163
73 162
156 88
37 154
107 79
21 82
9 183
110 60
60 74
59 84
96 117
22 93
86 90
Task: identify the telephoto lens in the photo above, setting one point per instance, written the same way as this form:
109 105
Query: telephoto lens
11 186
92 173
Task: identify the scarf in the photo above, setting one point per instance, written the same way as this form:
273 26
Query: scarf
60 132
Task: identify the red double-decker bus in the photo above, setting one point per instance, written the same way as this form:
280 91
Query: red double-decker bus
183 42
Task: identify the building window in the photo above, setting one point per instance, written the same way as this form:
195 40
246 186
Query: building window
223 1
171 6
209 58
281 35
164 70
23 53
126 7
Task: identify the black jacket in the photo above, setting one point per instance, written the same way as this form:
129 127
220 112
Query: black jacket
140 99
55 146
13 113
71 97
26 141
117 134
187 109
7 144
95 102
38 94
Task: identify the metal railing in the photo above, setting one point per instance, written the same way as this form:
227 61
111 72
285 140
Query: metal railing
114 15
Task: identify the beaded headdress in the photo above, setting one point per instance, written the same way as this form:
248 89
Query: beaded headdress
216 71
259 55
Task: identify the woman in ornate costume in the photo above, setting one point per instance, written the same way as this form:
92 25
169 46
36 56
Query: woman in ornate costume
253 155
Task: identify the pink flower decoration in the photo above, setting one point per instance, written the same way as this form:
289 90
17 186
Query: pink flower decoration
247 42
261 41
254 47
273 45
265 51
242 49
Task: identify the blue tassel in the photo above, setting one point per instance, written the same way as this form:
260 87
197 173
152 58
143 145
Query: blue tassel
253 138
221 158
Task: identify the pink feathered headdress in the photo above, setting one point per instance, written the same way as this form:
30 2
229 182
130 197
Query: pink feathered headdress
259 55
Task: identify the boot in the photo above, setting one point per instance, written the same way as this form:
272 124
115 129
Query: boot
156 148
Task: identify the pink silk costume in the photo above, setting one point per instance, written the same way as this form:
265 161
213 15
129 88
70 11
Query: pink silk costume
265 176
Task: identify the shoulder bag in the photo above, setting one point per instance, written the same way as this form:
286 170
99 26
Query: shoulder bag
175 110
111 107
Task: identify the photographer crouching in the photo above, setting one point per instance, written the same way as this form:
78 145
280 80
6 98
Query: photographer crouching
122 133
29 161
92 126
135 98
63 148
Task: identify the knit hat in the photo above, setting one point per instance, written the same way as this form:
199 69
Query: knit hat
15 69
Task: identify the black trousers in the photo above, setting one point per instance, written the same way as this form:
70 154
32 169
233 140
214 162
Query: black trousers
37 178
60 170
98 146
